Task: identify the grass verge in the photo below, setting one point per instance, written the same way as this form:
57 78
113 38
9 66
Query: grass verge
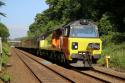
116 53
4 76
5 53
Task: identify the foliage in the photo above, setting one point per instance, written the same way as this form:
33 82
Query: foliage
5 53
5 77
118 38
104 25
109 15
1 4
114 38
117 54
4 32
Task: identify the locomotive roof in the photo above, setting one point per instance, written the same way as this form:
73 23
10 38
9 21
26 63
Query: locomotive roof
77 22
80 22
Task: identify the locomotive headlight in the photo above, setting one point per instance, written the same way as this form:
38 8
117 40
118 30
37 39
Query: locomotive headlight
74 45
94 46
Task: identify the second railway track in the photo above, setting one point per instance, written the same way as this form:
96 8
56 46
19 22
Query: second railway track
110 78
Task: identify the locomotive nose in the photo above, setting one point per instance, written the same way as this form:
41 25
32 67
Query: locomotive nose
81 45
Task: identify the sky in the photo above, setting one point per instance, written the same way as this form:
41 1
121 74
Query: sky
20 14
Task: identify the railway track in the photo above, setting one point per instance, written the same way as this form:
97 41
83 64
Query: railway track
103 74
109 78
42 73
121 78
74 75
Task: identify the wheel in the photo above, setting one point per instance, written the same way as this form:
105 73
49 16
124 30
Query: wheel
94 61
38 52
54 57
63 60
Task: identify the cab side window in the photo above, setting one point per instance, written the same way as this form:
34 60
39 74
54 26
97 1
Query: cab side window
66 32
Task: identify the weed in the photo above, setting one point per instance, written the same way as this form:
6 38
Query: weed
5 77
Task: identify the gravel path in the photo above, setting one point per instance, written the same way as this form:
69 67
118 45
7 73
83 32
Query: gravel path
19 72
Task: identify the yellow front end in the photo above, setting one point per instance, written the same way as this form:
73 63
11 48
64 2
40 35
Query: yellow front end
82 46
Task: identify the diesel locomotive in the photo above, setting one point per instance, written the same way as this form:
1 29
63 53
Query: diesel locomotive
77 40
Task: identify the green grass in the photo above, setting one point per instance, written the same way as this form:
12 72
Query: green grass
116 53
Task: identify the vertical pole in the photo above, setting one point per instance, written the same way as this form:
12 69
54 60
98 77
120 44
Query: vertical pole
107 61
0 54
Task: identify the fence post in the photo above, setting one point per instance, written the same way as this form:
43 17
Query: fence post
0 54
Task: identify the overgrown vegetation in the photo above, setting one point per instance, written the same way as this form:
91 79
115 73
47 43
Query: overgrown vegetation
5 77
117 55
5 54
1 4
114 46
4 32
108 14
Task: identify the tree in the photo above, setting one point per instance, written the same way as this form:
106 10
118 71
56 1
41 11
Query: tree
1 4
4 32
63 11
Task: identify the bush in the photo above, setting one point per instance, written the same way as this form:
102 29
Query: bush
104 25
116 53
118 38
5 53
4 32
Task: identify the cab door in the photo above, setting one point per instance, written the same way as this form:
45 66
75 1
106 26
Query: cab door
64 42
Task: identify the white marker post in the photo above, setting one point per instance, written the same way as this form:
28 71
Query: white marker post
0 54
